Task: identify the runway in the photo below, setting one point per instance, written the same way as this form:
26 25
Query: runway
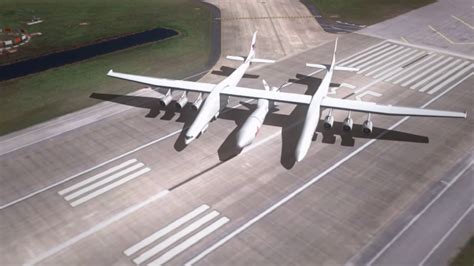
125 190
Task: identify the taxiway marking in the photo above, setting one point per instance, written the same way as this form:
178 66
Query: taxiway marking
448 39
463 22
446 235
412 221
290 196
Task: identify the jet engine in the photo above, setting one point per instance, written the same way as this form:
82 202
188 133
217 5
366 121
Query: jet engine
197 103
181 102
165 100
367 127
348 123
328 122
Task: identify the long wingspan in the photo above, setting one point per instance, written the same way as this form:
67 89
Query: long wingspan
165 83
207 88
374 108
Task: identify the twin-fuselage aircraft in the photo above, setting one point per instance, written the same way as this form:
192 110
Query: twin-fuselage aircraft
218 94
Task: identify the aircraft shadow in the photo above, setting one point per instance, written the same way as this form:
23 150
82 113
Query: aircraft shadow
291 124
227 71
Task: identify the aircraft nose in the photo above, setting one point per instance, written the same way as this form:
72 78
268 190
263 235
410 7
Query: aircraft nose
188 139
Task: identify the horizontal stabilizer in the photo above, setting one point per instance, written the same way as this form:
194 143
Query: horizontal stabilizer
350 69
317 66
260 60
235 58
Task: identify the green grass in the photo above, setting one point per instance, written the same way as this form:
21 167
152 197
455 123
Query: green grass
366 11
40 97
106 18
466 255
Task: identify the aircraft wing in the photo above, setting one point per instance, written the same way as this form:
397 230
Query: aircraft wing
369 107
276 96
165 83
207 88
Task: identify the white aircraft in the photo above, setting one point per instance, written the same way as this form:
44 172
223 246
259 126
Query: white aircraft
213 104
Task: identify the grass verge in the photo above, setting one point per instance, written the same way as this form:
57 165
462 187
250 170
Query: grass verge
40 97
465 257
366 12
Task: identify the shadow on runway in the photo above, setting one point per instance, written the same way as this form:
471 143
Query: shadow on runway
226 71
291 124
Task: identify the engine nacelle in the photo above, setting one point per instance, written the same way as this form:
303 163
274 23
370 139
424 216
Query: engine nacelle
328 122
367 127
347 125
165 100
204 129
181 102
197 103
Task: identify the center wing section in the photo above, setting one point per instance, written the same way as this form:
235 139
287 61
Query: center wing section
275 96
165 83
369 107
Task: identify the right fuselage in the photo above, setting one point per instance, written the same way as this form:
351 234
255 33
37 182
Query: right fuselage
312 118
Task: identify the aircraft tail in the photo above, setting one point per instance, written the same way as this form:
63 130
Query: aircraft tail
333 64
251 56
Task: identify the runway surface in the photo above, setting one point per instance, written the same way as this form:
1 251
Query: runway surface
125 190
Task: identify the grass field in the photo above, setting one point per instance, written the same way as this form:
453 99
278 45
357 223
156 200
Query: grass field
105 19
366 12
466 255
40 97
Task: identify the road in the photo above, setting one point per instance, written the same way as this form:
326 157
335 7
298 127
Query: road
123 189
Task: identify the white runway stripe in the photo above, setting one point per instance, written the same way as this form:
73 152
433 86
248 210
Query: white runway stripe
374 55
434 74
172 239
452 78
396 63
98 176
189 242
383 60
397 68
411 67
426 70
444 76
103 181
364 52
159 234
109 187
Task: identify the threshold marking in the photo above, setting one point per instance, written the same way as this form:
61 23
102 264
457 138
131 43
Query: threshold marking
147 248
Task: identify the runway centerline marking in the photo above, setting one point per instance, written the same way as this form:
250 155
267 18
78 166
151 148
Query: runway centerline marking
267 211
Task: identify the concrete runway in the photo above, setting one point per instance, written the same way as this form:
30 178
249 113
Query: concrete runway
125 190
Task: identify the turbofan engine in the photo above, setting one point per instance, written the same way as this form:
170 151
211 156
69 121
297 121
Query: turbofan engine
197 103
181 102
165 100
348 123
328 122
367 126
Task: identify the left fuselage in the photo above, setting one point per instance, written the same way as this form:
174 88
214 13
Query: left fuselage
214 103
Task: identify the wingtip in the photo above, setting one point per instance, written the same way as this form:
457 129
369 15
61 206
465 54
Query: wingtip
110 72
